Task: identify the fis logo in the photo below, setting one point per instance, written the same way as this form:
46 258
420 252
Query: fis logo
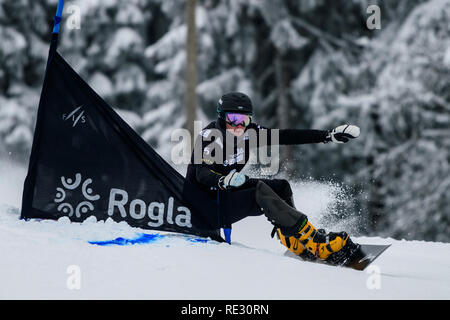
76 116
87 192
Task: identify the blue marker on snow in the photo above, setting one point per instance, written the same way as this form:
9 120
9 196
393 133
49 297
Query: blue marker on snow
227 234
145 238
142 238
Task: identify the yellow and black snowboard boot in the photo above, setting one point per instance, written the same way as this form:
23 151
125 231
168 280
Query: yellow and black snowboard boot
310 242
294 245
298 234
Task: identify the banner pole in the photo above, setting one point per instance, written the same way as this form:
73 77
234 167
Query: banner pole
58 16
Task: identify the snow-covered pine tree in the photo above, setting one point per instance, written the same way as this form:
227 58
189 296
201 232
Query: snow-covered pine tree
413 98
302 64
396 91
23 52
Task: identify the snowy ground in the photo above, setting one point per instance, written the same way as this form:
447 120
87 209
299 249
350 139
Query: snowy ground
36 259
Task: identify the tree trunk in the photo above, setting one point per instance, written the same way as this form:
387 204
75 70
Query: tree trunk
191 69
283 110
375 203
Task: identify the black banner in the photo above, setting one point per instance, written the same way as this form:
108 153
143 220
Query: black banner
86 161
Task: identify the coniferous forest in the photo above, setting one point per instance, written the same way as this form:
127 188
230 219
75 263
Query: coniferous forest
382 65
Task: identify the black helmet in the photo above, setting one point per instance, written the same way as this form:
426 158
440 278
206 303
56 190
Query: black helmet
234 102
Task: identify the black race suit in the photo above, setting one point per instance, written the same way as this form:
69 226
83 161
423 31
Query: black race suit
238 203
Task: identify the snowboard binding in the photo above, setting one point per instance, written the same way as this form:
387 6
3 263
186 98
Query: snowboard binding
297 233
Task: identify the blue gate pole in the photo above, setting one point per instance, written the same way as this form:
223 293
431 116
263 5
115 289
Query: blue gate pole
227 234
226 230
58 16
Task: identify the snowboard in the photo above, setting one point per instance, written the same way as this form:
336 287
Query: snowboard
359 259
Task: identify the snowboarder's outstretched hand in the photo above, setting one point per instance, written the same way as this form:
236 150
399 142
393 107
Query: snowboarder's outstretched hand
233 179
343 133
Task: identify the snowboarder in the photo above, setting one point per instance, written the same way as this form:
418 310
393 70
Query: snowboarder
228 138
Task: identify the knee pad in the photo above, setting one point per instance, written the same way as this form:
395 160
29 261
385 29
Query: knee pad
287 193
279 213
286 187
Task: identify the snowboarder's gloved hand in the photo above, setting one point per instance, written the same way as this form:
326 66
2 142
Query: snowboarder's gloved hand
233 179
343 133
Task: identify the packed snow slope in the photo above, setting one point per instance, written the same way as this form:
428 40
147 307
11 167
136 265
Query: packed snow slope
38 260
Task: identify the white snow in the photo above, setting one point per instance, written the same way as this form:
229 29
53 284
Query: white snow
101 84
35 257
284 36
124 39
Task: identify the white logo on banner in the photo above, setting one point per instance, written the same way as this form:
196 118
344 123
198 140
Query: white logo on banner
158 213
76 116
82 207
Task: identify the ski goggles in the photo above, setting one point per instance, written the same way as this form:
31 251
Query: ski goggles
235 119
